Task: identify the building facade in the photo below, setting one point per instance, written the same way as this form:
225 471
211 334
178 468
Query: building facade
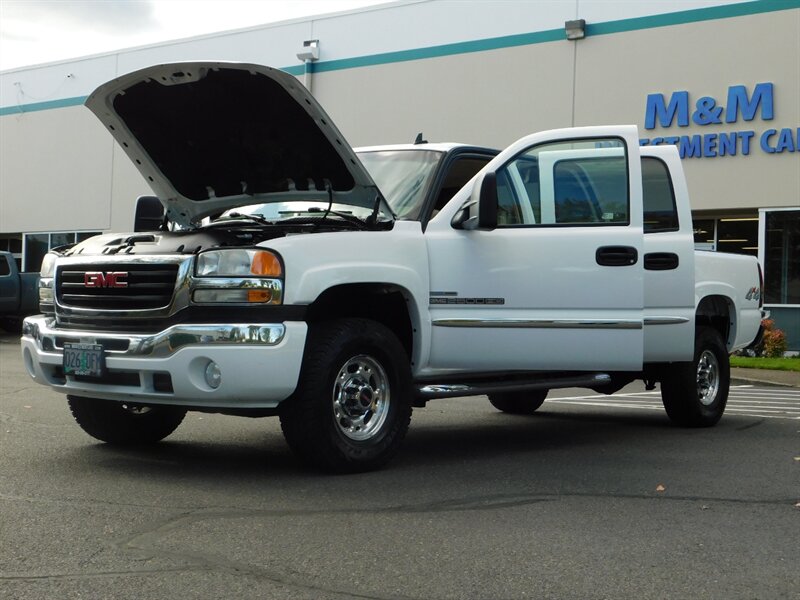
719 79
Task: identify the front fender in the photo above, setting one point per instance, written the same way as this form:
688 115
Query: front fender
315 263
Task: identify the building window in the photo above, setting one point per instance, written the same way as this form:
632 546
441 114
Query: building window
14 246
738 235
36 245
704 232
782 257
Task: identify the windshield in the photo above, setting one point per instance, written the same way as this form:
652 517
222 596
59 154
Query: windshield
403 176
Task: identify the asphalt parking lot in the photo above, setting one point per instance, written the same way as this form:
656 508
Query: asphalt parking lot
593 497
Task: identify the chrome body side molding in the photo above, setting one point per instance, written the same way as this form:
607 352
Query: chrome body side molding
541 323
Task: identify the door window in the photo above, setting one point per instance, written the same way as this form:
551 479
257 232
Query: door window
580 182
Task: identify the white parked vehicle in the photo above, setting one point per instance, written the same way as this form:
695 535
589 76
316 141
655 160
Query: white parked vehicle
293 276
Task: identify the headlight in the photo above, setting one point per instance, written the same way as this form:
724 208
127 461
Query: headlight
238 263
48 265
46 297
239 276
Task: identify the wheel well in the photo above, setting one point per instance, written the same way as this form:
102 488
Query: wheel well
715 312
377 301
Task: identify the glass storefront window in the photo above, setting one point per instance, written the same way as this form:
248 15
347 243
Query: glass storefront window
738 235
61 239
704 234
782 257
36 245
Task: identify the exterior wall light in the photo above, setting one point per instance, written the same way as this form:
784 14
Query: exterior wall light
575 30
309 54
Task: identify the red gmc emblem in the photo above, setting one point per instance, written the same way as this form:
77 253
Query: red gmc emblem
112 279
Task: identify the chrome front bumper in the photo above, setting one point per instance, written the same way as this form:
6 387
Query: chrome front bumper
260 363
48 337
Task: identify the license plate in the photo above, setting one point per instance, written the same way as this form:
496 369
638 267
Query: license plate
84 359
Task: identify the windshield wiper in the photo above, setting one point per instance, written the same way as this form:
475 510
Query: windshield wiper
342 215
256 218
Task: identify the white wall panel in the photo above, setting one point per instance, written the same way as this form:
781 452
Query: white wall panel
487 98
55 171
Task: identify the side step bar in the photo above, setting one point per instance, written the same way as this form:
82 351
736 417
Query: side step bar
429 391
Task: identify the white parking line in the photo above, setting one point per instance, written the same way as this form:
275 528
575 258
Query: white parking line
743 400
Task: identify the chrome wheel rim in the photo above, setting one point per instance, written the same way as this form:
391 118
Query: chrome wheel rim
136 410
361 398
707 378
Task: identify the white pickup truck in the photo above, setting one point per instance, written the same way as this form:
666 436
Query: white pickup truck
337 289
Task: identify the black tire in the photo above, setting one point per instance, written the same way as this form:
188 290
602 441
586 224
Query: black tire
11 324
352 406
122 424
695 394
518 403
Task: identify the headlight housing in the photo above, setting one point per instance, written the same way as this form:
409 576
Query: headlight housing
48 265
46 272
239 262
239 276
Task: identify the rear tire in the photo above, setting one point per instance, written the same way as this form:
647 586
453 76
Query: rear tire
518 403
695 394
124 424
352 406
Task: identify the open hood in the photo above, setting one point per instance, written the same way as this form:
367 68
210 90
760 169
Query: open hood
211 136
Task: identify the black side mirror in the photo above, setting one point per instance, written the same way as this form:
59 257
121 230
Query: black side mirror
484 195
487 204
149 214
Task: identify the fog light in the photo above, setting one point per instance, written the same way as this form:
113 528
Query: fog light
213 375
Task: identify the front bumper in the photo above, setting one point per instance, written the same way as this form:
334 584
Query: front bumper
260 363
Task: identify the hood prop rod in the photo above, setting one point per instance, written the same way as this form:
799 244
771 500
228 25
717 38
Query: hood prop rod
328 189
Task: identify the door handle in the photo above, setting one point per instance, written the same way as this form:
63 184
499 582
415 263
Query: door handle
616 256
661 261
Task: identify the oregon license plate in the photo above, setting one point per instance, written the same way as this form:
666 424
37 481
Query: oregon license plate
84 359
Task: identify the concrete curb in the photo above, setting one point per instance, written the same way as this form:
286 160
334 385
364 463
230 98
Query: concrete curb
765 377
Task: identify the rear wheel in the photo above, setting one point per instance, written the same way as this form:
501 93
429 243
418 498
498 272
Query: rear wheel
518 403
124 424
695 394
352 406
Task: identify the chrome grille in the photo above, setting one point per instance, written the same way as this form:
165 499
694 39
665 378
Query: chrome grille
148 286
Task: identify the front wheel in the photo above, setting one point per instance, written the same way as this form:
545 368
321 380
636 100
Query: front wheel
352 406
124 424
518 403
695 394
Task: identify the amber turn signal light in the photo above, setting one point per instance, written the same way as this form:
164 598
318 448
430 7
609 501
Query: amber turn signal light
266 264
259 295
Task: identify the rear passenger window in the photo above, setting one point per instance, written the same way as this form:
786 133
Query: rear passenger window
660 211
5 269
